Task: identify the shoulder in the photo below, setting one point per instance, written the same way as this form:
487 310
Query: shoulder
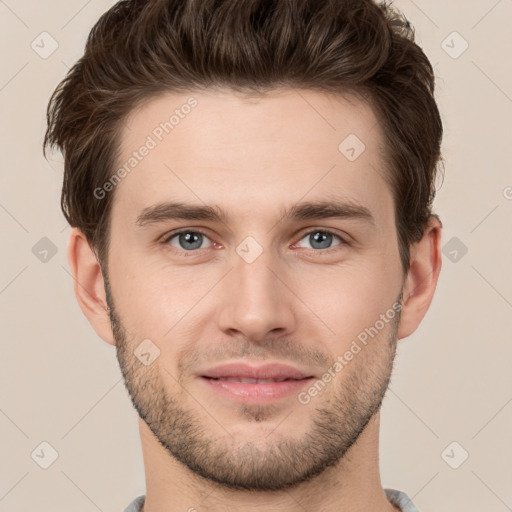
401 500
136 504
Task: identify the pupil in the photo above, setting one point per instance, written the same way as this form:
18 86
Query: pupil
191 238
321 237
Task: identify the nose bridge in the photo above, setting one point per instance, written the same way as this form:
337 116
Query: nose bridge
256 301
255 277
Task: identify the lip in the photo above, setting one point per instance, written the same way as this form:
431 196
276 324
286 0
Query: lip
288 380
257 393
275 371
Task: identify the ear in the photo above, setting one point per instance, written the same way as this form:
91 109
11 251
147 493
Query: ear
89 285
421 280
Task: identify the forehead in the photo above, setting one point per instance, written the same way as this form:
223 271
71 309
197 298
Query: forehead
223 148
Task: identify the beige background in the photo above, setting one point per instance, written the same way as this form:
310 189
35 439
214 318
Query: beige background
60 384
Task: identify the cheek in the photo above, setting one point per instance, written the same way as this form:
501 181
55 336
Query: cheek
163 303
350 299
146 302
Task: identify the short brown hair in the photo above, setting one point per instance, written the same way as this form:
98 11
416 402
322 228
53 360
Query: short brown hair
139 49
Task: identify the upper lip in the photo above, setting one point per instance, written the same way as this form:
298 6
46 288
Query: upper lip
276 371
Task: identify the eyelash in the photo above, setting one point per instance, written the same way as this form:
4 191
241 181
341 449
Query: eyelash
171 235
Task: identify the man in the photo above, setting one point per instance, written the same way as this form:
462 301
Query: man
250 186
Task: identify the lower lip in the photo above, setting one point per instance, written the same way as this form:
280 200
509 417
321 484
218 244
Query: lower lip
256 392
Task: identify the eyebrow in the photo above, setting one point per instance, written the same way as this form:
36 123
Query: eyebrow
162 212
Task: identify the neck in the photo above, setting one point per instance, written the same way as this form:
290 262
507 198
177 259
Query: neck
353 484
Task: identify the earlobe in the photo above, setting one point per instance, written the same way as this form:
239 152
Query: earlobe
89 285
421 280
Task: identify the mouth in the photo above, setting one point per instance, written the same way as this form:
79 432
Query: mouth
255 384
250 381
274 372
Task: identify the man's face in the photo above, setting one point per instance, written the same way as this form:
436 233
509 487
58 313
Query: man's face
230 297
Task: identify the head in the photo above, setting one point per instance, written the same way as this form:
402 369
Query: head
266 124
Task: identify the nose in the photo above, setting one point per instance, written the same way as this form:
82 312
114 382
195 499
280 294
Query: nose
256 301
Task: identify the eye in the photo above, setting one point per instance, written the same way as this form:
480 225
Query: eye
321 239
187 240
